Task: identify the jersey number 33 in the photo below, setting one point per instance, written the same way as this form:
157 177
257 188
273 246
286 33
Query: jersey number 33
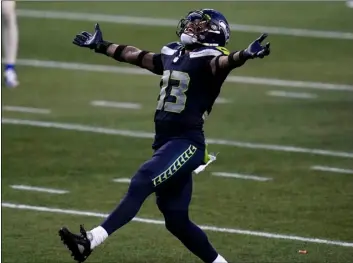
174 84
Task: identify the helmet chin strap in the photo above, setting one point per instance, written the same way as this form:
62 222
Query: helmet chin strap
187 40
191 41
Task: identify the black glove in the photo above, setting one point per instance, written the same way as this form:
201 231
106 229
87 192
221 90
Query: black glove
256 50
95 41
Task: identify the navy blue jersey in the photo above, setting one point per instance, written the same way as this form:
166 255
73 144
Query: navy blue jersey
188 91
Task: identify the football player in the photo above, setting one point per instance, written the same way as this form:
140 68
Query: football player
192 71
10 42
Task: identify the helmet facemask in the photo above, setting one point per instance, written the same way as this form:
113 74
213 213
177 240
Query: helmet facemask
192 28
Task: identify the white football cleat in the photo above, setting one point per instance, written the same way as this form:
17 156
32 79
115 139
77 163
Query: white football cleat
349 3
11 78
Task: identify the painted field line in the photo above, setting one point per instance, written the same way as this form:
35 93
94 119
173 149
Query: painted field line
38 189
138 71
148 135
115 104
242 176
331 169
26 109
294 95
221 100
146 21
161 222
122 180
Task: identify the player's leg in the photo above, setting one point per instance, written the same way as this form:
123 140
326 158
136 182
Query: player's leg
139 189
172 157
163 169
10 41
174 203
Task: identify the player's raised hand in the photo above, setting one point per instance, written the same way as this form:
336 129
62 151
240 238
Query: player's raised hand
88 40
256 50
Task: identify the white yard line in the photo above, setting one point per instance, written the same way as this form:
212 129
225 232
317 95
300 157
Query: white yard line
140 134
26 109
146 21
115 104
161 222
331 169
122 180
221 100
137 71
290 83
38 189
242 176
294 95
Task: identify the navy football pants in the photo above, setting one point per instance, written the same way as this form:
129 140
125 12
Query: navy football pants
169 174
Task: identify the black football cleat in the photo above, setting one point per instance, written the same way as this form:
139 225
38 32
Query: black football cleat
79 245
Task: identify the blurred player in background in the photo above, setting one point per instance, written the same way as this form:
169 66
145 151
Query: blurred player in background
9 41
193 71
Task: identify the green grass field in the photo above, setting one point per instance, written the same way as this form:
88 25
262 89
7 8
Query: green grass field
297 201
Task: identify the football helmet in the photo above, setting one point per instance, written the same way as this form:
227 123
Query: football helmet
206 27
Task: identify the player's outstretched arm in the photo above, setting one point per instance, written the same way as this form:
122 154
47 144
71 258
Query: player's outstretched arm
237 59
135 56
122 53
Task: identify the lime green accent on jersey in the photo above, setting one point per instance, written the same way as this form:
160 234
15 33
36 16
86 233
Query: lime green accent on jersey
223 50
178 163
206 157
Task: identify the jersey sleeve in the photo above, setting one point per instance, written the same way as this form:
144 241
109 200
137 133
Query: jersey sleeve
158 58
166 51
221 74
205 55
170 48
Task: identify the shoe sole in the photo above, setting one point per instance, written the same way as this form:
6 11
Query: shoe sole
71 245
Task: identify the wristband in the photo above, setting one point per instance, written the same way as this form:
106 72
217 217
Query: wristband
102 47
242 57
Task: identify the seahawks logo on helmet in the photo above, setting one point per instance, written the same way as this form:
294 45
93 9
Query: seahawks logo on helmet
226 30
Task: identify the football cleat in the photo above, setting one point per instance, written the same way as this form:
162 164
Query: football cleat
79 245
11 78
